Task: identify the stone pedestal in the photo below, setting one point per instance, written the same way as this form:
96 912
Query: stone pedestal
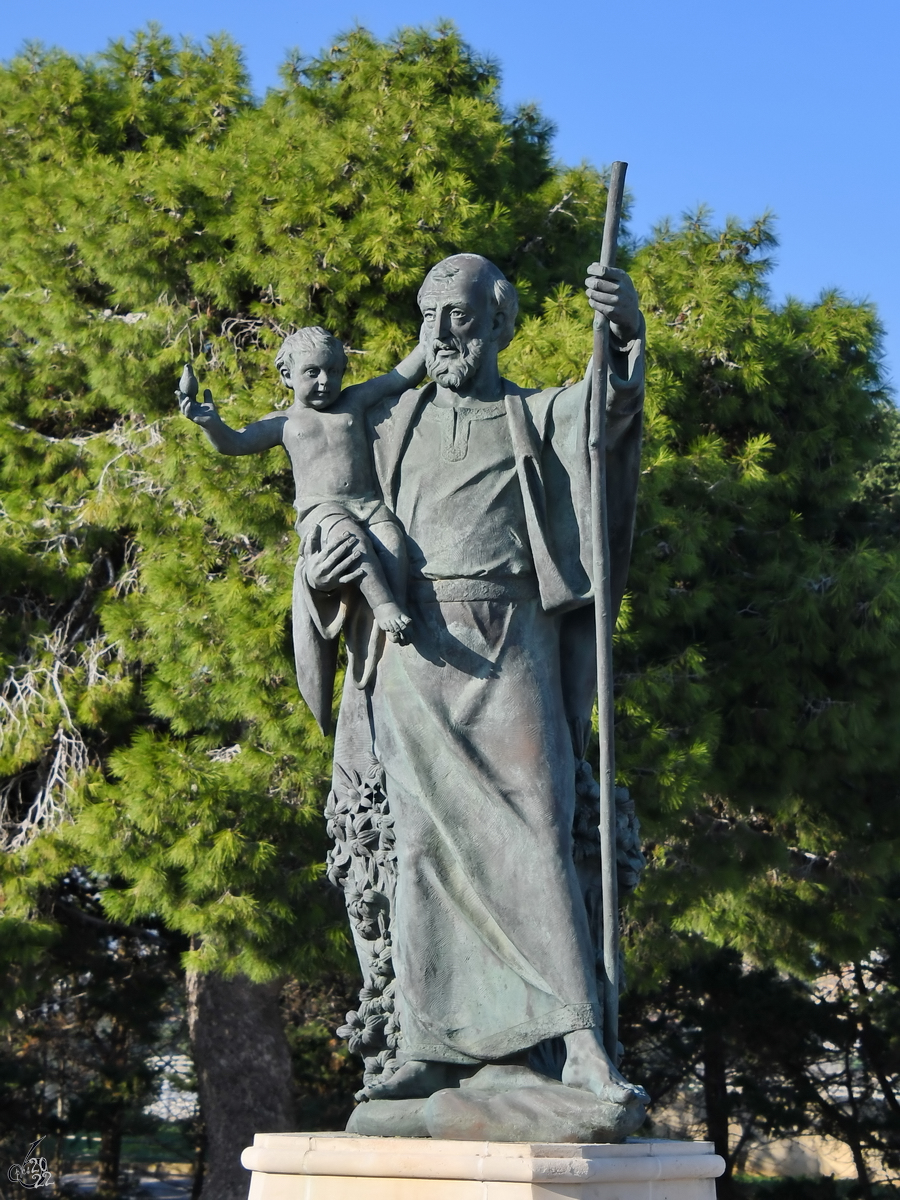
296 1166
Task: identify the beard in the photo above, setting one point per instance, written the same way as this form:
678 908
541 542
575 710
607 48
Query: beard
452 363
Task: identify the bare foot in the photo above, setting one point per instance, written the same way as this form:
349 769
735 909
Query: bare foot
415 1080
392 619
588 1067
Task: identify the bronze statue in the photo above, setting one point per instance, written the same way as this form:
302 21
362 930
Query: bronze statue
459 774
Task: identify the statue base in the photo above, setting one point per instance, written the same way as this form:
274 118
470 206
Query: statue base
501 1103
334 1166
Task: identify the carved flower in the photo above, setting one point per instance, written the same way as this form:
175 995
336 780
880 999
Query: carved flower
339 860
380 1067
392 1032
374 777
353 793
353 1031
383 964
366 910
373 1034
341 801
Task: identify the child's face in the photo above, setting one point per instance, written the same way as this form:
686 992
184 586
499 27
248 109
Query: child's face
315 376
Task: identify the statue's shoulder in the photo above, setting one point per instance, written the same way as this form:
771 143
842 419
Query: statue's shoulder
536 402
533 398
385 417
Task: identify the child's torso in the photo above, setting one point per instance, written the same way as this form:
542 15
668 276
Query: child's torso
329 452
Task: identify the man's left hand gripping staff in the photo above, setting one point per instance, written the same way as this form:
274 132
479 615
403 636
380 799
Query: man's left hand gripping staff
611 292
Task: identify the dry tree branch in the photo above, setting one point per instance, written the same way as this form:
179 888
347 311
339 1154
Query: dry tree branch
34 693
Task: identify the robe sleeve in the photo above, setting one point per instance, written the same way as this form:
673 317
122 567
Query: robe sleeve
624 427
625 396
567 469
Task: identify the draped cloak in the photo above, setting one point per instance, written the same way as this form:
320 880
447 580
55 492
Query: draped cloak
479 719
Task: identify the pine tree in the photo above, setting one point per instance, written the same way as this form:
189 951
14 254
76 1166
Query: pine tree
757 668
754 449
153 734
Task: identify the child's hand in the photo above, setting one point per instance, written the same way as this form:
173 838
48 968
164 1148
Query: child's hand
188 387
202 414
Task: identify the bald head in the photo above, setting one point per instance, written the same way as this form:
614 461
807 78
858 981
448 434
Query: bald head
476 274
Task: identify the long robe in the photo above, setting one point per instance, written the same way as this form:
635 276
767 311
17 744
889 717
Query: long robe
479 720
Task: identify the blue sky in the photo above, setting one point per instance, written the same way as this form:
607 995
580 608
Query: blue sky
786 105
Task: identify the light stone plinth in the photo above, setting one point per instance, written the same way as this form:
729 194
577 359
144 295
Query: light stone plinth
297 1166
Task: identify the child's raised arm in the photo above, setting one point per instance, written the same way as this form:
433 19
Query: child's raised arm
259 436
405 375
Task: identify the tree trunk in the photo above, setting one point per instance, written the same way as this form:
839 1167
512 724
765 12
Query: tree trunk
198 1166
243 1070
115 1069
108 1158
852 1127
715 1097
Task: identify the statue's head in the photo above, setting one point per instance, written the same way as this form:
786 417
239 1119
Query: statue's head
468 311
312 361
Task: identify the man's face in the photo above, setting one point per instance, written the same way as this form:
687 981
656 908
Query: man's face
457 327
315 375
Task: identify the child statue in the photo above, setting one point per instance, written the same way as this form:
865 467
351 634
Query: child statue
324 434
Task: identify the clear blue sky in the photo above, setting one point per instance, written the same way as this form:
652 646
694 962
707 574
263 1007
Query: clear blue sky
788 105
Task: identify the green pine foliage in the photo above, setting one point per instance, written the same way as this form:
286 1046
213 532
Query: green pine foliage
756 655
765 731
153 733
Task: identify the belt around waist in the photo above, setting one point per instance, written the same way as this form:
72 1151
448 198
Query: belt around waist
448 590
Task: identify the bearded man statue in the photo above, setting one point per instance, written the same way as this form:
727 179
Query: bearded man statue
476 725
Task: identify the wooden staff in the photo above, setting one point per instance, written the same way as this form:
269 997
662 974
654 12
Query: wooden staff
603 624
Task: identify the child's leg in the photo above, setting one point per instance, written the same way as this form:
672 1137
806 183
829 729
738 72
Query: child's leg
373 583
389 542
